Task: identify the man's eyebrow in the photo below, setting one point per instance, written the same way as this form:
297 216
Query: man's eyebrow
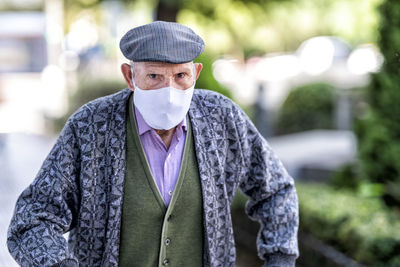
186 69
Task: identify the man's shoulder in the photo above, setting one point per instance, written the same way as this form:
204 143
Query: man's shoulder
209 106
102 105
211 99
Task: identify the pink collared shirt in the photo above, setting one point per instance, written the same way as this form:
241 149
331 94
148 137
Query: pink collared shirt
165 164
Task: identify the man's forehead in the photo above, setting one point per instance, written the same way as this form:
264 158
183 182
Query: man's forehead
164 65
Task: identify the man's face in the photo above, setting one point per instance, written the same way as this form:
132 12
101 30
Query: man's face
156 75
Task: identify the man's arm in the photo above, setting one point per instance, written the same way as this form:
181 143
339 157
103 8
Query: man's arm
46 209
272 199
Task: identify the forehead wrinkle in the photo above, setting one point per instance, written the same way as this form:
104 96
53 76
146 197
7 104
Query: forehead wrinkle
166 67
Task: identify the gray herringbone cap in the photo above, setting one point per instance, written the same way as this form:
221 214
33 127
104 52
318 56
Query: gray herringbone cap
162 42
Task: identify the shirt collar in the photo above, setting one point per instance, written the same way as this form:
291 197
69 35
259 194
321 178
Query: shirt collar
143 127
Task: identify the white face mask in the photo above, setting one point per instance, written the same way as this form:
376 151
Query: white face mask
163 108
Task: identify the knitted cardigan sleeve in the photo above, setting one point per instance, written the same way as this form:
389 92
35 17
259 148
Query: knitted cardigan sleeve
272 197
44 211
232 154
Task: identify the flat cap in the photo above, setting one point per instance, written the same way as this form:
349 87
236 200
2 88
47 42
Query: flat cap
162 42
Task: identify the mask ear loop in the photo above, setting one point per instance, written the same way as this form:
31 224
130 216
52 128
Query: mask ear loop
194 75
133 74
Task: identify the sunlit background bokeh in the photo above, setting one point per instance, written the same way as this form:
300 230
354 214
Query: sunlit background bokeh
300 69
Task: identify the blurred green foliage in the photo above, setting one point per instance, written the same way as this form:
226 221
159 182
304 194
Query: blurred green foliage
361 227
206 79
307 107
347 176
379 132
244 28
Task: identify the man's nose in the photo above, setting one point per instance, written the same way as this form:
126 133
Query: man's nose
169 82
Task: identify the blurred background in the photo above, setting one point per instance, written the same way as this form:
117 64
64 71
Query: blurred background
319 79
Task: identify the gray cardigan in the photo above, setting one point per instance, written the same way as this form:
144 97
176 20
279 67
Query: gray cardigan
79 188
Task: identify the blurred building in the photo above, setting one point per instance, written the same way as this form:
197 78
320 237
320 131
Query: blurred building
32 87
22 42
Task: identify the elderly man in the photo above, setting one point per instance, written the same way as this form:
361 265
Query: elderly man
146 177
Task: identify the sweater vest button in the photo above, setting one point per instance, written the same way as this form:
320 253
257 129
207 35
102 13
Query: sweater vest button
167 241
165 262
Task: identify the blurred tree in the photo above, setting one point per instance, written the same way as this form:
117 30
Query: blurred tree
245 28
379 133
167 10
248 27
307 107
206 80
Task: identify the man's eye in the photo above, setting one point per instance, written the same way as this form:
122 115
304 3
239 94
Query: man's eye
152 76
181 75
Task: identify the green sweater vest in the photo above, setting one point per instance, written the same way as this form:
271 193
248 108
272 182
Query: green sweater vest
151 233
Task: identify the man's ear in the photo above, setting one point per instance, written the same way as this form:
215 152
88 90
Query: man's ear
198 67
127 73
